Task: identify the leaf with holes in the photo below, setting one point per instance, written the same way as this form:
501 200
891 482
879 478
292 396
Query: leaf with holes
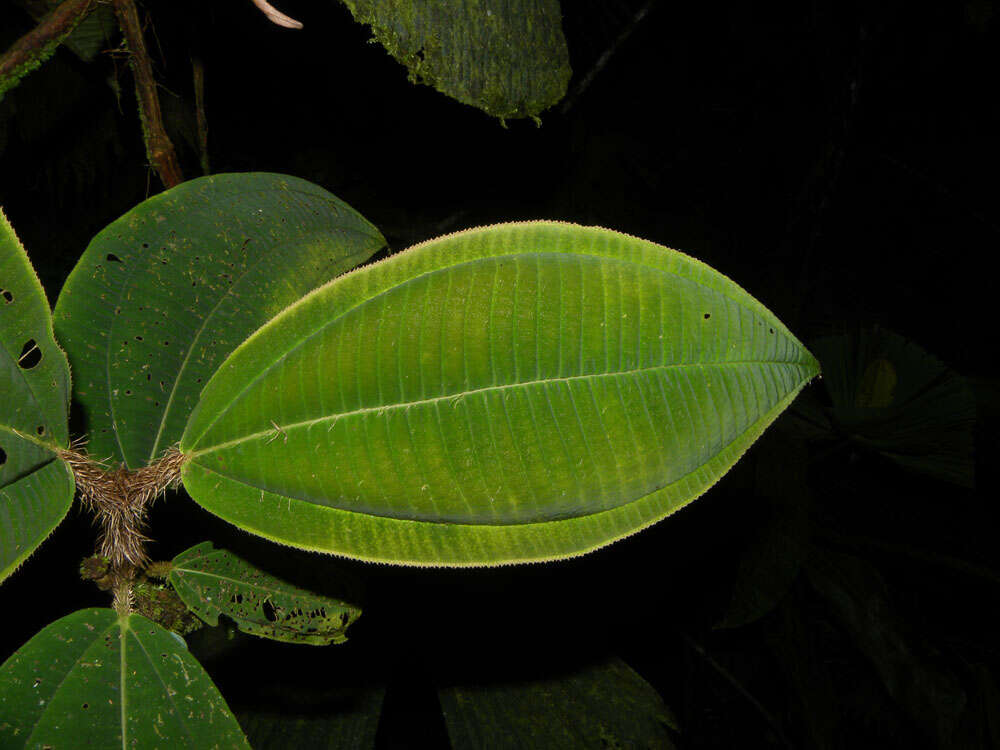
509 59
94 679
506 394
162 295
214 582
603 705
36 487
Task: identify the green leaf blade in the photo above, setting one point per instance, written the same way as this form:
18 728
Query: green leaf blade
507 394
509 60
36 488
214 582
94 679
163 294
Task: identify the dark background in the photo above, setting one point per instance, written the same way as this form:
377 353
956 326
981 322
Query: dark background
837 159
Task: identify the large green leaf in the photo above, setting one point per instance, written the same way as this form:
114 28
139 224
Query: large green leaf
36 488
511 393
97 680
605 705
214 582
507 57
162 295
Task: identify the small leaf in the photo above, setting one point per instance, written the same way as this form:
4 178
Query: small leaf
36 487
506 394
97 680
892 397
507 57
605 705
163 294
215 582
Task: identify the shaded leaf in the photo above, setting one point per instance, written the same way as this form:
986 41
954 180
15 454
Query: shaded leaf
508 57
94 679
605 705
348 722
214 582
511 393
793 643
36 487
912 673
892 397
92 34
162 295
774 554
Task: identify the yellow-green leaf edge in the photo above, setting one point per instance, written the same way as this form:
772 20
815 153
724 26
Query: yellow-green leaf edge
426 544
44 494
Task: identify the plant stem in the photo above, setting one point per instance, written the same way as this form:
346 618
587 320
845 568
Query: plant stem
35 47
198 76
159 147
120 500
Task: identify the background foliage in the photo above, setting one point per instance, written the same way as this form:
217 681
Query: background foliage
836 158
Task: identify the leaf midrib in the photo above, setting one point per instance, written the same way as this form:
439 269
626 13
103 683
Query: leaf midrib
304 339
211 313
486 389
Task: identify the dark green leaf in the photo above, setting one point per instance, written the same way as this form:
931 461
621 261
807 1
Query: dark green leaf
891 396
214 582
605 705
97 680
774 553
506 394
36 487
506 57
794 646
346 722
911 671
162 295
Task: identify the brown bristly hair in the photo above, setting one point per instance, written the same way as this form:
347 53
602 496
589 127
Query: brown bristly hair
120 499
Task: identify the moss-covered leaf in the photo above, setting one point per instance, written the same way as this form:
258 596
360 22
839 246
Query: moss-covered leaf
36 487
162 295
506 57
505 394
97 680
214 582
605 705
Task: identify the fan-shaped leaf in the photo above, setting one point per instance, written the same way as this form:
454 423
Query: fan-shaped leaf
162 295
97 680
505 394
36 488
891 396
605 705
507 58
214 582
